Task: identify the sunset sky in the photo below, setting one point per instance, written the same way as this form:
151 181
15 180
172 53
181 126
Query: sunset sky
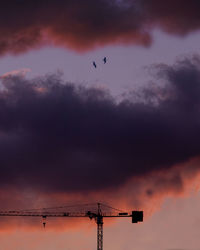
126 133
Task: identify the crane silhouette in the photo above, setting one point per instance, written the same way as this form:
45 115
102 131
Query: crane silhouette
94 211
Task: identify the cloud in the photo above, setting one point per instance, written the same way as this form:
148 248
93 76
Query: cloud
84 25
19 72
176 17
68 139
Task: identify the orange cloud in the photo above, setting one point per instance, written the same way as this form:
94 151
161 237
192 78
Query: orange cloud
86 25
17 72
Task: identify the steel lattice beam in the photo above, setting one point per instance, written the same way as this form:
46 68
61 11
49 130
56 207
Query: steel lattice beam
99 233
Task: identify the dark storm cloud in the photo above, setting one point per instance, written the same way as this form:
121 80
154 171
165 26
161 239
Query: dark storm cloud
58 137
83 25
173 16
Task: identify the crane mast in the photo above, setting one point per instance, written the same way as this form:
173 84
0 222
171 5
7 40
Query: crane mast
99 221
96 211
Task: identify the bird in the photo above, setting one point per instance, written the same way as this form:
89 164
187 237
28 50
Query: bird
94 64
105 60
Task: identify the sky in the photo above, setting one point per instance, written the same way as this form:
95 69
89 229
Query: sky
125 133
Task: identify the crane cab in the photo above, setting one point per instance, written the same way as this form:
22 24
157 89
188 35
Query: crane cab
137 216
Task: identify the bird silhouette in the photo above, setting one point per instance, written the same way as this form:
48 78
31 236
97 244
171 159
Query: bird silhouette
94 64
105 60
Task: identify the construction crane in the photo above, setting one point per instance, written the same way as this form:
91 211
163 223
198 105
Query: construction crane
97 212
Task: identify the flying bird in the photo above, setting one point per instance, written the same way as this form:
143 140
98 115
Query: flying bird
94 64
105 60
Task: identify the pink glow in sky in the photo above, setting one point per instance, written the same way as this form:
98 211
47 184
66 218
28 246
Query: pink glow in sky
175 225
167 189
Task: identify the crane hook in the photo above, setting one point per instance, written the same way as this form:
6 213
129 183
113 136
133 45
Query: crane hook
44 220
